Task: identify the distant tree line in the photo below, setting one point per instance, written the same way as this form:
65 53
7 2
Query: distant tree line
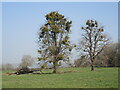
109 57
7 67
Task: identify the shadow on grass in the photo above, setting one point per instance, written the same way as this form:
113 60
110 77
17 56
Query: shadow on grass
40 73
56 73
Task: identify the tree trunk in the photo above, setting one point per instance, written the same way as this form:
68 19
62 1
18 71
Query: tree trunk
92 66
55 67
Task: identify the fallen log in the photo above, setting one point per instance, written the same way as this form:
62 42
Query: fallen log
26 71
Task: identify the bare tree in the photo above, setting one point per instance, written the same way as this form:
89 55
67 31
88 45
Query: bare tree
93 40
27 60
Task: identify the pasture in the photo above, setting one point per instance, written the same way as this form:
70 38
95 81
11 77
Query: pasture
73 78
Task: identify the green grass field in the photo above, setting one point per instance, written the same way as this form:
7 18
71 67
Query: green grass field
80 78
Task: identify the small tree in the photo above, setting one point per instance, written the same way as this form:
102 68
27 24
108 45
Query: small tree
54 40
27 60
93 40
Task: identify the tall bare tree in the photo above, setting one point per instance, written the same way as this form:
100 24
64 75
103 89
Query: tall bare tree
54 44
93 40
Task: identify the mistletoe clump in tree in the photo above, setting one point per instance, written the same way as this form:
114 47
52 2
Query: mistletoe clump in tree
94 40
54 40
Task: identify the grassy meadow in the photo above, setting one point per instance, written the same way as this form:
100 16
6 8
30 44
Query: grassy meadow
73 78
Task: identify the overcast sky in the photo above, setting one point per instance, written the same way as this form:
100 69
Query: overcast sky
21 22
